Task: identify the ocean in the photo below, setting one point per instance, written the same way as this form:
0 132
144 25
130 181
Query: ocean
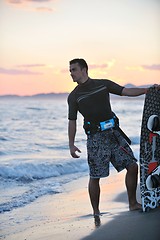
34 154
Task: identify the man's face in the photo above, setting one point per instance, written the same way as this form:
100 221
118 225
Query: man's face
77 73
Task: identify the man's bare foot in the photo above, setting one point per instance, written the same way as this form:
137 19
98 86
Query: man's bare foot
136 206
97 221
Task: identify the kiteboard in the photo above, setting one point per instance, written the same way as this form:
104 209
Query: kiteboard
150 151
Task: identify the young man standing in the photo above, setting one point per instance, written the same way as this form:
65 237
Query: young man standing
91 98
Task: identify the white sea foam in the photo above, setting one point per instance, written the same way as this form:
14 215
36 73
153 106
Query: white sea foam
27 172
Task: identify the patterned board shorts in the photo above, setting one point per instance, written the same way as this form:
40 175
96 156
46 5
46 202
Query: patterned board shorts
105 147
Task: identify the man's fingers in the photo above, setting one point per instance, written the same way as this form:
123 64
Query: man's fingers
75 155
73 152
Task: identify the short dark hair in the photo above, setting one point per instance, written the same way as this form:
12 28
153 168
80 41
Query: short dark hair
82 63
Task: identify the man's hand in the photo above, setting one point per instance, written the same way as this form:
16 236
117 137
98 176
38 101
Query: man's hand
73 150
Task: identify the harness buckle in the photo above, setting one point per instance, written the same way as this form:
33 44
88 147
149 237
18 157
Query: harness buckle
92 128
107 124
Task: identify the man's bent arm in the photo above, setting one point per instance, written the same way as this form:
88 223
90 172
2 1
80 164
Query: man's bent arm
71 135
71 131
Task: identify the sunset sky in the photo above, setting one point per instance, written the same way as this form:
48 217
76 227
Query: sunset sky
118 38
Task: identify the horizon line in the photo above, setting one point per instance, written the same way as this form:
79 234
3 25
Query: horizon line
61 93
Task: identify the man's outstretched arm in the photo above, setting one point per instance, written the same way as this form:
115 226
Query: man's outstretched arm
133 92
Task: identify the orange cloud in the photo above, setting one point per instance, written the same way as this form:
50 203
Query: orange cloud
44 9
18 72
23 1
144 67
152 67
31 65
33 5
135 68
107 65
101 70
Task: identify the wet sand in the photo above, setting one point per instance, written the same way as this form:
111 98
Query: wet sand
68 215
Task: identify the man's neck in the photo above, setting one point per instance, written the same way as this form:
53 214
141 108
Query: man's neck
84 80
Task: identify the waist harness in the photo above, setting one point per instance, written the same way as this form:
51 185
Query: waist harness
113 123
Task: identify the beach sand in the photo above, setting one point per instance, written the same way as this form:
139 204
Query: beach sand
68 215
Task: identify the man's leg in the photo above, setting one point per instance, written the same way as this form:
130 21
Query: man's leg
131 185
94 193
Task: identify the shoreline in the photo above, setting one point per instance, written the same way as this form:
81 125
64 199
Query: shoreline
68 215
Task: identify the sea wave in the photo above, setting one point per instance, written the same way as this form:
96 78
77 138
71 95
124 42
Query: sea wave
39 178
3 139
36 108
27 197
27 172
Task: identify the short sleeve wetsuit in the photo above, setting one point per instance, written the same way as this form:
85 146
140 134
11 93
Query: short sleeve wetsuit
92 100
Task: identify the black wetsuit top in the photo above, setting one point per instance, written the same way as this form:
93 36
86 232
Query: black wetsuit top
92 100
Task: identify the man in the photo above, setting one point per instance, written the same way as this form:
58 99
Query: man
105 143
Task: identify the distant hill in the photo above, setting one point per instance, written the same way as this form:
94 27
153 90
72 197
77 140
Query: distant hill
37 96
54 95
